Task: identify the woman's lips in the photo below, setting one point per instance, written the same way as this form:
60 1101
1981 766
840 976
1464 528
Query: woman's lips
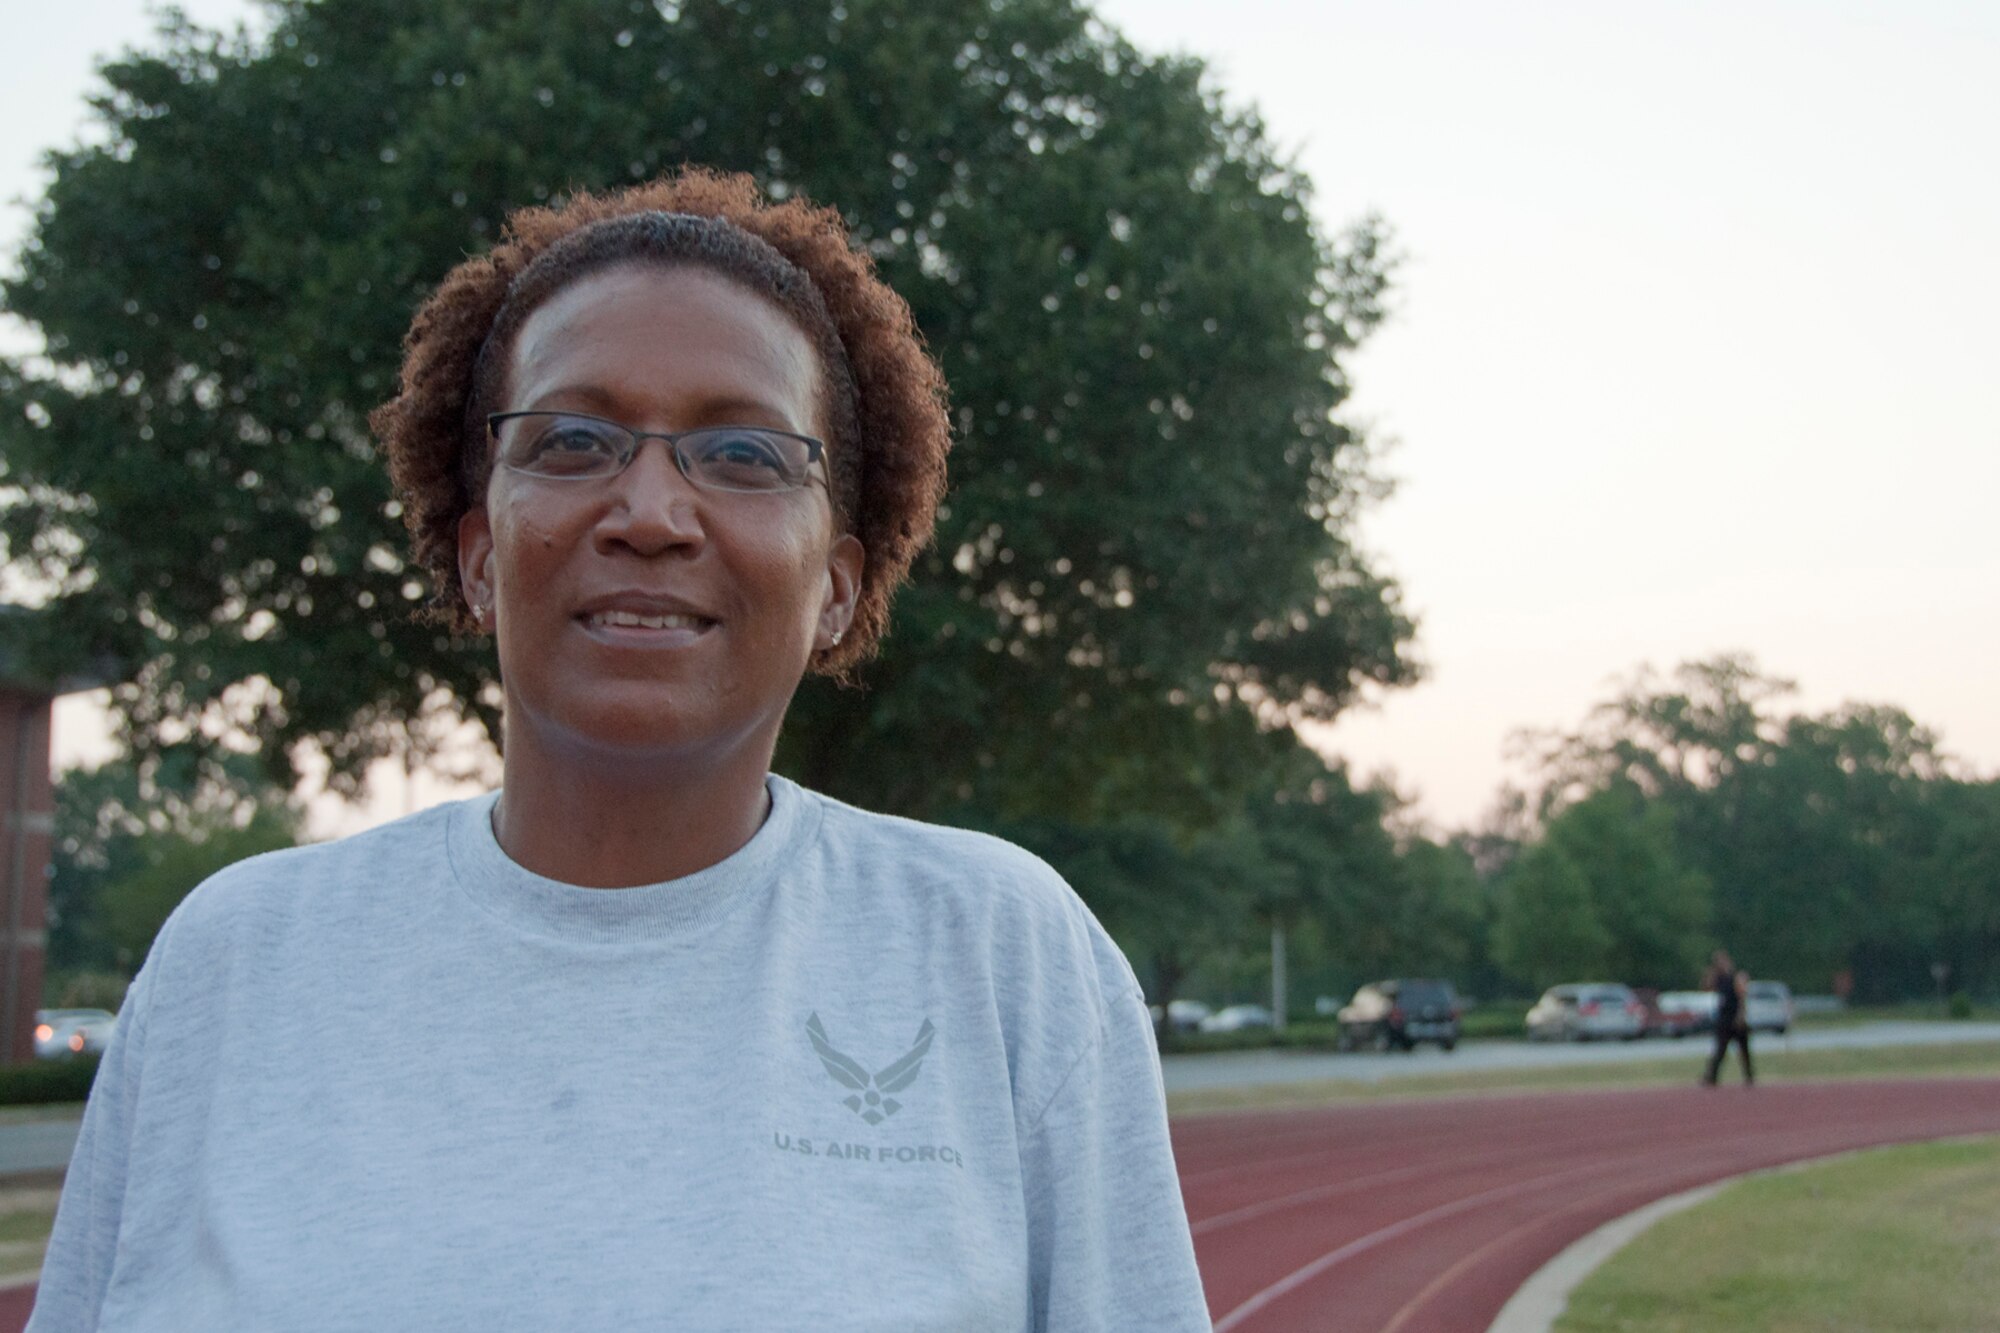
641 620
648 629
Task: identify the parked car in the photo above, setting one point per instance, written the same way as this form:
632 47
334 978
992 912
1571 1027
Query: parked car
1401 1013
1686 1013
60 1033
1770 1007
1180 1015
1652 1022
1236 1018
1586 1011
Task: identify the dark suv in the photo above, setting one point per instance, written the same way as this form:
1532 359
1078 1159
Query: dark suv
1389 1014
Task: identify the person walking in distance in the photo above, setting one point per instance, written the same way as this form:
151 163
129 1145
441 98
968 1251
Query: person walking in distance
1732 1016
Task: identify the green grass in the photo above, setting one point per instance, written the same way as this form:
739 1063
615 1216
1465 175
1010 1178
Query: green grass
25 1218
1774 1065
31 1223
39 1111
1894 1238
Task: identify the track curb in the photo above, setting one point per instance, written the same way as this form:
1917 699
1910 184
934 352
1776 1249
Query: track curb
1540 1301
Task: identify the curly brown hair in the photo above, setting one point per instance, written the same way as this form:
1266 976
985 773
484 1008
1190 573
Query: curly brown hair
883 401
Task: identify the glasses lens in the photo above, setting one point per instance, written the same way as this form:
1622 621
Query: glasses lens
743 458
550 444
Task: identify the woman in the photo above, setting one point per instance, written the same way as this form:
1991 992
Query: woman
1732 1016
650 1038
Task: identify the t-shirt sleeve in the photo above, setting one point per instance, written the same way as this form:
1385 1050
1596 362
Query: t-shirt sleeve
77 1270
1108 1239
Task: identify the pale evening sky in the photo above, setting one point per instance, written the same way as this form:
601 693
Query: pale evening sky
1693 349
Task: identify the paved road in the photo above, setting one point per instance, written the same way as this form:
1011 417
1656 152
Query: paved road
46 1145
1395 1218
1232 1069
37 1145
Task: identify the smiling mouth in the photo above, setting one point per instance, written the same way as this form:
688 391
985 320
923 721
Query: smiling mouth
633 619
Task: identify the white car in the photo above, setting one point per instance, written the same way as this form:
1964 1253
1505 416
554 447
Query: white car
65 1032
1686 1013
1180 1015
1587 1011
1770 1007
1236 1018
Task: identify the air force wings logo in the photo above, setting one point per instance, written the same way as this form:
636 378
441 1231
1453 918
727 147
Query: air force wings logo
871 1098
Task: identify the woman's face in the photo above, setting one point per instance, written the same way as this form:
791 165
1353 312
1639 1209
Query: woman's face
747 585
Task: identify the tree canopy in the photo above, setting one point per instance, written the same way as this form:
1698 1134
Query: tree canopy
133 837
1603 895
1838 843
1146 556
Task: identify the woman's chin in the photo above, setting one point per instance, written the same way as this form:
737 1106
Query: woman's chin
626 728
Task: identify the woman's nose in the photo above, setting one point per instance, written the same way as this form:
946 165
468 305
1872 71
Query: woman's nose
653 508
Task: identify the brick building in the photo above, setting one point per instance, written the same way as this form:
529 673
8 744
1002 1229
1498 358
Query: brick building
27 828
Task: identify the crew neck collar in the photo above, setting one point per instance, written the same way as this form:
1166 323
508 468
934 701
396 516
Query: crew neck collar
647 912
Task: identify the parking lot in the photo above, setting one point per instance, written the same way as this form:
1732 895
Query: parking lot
1230 1069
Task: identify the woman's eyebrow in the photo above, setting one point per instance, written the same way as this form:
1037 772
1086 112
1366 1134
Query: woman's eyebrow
598 400
714 407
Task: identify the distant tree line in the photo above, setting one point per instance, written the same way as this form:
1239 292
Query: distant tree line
1835 851
1838 851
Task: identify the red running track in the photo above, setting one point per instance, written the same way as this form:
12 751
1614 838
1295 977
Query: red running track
1425 1216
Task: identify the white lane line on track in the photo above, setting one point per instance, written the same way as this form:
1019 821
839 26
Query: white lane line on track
1293 1281
1263 1206
1445 1279
1568 1273
1248 1211
1322 1154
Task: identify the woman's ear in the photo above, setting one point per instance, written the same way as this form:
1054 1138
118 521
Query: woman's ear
844 562
475 565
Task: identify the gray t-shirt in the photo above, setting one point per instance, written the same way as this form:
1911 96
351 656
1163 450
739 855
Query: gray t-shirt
863 1074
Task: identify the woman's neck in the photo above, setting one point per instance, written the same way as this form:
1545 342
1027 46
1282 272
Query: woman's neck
605 823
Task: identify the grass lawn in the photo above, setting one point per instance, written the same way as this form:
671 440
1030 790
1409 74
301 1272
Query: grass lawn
26 1214
1893 1238
15 1115
1774 1065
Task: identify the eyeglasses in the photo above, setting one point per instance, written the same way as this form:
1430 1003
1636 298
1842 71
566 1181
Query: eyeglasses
569 446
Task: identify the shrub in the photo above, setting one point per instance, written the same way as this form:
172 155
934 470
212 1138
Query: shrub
47 1081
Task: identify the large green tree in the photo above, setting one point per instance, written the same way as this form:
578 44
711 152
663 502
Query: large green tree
1822 835
132 838
1654 910
1965 869
1146 550
1546 927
